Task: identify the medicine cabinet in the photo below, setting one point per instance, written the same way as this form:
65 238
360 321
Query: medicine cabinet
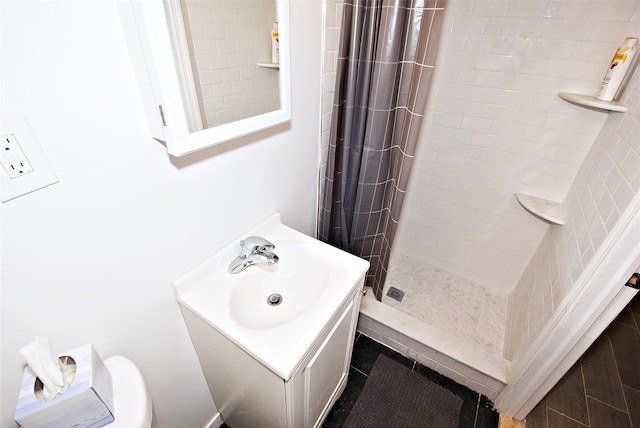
158 40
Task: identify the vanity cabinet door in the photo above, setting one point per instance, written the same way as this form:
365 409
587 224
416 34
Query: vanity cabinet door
326 372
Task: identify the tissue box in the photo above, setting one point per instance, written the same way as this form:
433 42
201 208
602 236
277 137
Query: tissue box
87 402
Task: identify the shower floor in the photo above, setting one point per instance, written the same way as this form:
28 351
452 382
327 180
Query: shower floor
470 312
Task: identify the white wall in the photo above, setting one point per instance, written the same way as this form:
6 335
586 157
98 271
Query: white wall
91 259
494 126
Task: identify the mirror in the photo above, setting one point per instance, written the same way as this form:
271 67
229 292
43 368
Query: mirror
233 61
209 68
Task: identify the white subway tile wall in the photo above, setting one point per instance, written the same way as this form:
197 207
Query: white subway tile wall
227 39
603 188
494 126
332 24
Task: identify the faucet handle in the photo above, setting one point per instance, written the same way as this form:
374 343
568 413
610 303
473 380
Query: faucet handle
252 242
255 250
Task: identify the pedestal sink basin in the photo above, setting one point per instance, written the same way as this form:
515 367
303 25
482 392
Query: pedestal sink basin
274 313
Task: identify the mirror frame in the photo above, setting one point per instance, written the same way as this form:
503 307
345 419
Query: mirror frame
158 37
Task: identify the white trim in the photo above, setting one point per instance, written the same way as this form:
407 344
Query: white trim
595 298
183 64
132 18
215 421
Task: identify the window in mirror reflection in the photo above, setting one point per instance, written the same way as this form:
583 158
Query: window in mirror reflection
227 40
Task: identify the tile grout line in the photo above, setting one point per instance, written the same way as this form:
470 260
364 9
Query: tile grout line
609 405
584 392
360 371
630 387
475 421
624 396
570 418
546 413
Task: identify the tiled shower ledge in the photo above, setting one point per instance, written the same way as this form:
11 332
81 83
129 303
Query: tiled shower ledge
548 210
437 349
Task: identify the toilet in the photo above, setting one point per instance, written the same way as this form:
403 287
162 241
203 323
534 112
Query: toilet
131 398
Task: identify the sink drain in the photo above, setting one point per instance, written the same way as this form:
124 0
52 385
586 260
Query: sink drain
274 299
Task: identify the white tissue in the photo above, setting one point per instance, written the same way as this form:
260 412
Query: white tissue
45 365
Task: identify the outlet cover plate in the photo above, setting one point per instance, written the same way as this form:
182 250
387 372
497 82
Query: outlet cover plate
42 174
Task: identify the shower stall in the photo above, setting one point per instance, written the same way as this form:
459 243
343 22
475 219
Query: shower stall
475 283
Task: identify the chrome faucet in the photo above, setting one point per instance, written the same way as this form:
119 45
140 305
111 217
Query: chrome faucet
254 250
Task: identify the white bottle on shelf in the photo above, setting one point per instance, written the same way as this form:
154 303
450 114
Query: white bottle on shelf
620 65
275 46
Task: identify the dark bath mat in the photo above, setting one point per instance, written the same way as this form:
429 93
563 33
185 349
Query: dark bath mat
394 396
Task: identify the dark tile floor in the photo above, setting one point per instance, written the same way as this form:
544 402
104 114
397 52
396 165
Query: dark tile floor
477 411
602 389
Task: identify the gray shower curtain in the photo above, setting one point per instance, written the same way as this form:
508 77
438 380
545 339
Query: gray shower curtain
386 55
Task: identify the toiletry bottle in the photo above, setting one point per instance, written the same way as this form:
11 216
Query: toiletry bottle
275 46
632 66
618 69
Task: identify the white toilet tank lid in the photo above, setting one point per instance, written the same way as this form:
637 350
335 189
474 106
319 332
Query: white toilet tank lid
131 398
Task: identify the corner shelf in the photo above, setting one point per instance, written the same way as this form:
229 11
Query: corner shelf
550 211
274 65
591 101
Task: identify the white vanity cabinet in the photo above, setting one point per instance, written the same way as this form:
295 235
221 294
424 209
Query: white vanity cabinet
274 341
249 394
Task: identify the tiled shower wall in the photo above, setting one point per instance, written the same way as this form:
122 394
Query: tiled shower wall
332 23
604 187
226 40
494 126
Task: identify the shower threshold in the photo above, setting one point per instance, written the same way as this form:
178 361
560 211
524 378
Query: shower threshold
464 362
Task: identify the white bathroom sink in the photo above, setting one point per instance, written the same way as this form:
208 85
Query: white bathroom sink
268 297
273 312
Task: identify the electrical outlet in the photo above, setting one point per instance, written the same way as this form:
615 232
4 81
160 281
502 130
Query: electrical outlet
12 157
25 168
